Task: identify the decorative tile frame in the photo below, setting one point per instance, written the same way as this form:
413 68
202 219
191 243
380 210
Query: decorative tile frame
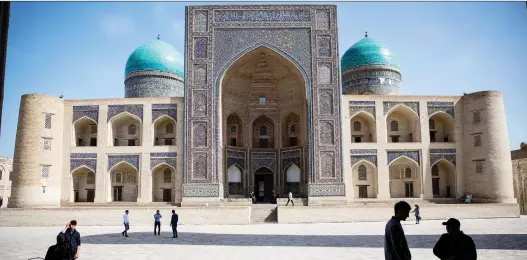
414 106
357 155
159 110
325 190
89 160
447 107
263 159
91 112
362 106
132 159
437 155
412 155
235 157
275 27
114 110
201 190
160 158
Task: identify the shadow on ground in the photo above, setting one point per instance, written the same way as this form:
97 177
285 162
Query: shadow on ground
490 241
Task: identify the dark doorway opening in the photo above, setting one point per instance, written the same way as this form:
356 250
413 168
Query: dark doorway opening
363 191
76 196
167 195
409 190
118 193
90 195
263 185
448 191
435 186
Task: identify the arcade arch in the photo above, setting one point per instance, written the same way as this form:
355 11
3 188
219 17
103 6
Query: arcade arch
123 179
83 185
364 179
164 131
124 129
441 127
163 183
85 132
363 128
405 178
402 125
443 179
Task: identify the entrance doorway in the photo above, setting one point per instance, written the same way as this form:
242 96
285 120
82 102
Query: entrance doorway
435 186
90 195
1 201
263 185
167 195
118 193
363 191
409 189
76 196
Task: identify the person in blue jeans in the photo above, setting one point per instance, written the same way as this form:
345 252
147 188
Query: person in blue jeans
157 223
126 223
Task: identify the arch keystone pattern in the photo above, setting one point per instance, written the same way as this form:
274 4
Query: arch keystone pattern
236 157
437 155
358 155
447 107
412 155
91 112
116 159
263 159
362 106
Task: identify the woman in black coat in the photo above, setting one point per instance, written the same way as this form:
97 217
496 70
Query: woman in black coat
60 251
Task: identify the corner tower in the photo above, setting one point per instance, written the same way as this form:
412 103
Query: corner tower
155 69
37 165
370 68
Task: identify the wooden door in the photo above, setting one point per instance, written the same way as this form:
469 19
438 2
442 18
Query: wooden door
76 196
409 189
167 195
363 191
435 186
90 195
118 193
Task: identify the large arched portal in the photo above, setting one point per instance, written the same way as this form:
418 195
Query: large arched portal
263 108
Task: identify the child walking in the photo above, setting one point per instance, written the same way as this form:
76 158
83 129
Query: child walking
417 214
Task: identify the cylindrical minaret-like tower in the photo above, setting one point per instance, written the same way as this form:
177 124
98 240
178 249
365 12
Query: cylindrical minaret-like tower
369 68
37 165
487 160
155 69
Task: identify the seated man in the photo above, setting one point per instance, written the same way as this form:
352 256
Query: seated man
455 245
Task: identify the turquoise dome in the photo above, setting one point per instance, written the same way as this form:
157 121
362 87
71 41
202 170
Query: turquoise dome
155 55
368 52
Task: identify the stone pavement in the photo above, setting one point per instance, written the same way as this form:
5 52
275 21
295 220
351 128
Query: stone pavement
495 239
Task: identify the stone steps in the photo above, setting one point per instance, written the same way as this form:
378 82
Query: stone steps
264 213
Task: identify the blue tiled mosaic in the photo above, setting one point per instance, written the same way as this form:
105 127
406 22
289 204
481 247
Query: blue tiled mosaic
354 159
153 84
163 155
116 159
154 162
91 112
411 105
368 52
89 163
114 110
362 103
83 155
439 104
155 55
447 107
413 155
159 110
363 151
436 157
442 150
262 16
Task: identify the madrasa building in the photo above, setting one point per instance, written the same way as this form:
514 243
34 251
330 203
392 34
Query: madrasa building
261 102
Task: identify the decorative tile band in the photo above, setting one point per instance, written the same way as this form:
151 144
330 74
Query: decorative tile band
154 162
447 109
201 190
163 155
363 151
262 16
439 104
84 155
442 150
411 105
413 155
78 113
157 113
86 108
116 159
362 103
114 110
326 189
354 159
436 157
164 106
88 163
368 109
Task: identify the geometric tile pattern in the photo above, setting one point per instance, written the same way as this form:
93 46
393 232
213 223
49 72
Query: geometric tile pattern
358 155
162 158
442 154
447 107
91 112
132 109
159 110
362 106
413 155
132 159
414 106
327 189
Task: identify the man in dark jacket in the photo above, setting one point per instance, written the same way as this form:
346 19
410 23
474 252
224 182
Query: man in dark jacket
73 237
395 244
173 223
455 245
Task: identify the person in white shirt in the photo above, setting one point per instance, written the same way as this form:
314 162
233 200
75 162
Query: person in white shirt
290 198
126 224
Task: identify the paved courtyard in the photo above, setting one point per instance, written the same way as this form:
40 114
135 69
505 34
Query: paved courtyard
495 239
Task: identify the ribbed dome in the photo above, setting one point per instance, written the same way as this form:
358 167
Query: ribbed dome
155 55
368 52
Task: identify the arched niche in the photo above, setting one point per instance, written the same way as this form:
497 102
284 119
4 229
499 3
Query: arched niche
84 132
83 185
364 180
163 183
443 179
263 132
293 178
441 127
235 180
164 131
363 128
291 131
402 125
123 179
234 131
124 129
405 178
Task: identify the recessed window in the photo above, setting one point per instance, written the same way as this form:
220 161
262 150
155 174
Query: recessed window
479 166
435 171
363 174
132 129
167 176
432 124
358 139
119 177
293 141
477 140
233 141
263 130
169 141
45 171
47 144
169 128
394 126
90 179
408 173
263 100
233 129
395 139
476 117
131 142
47 121
93 128
293 129
93 141
356 126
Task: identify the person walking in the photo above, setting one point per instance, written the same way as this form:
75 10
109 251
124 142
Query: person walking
417 214
61 250
395 244
126 224
455 245
290 198
73 237
173 223
157 223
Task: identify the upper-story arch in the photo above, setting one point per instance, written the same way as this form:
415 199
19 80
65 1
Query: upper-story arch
363 128
441 127
84 132
164 131
402 125
125 129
